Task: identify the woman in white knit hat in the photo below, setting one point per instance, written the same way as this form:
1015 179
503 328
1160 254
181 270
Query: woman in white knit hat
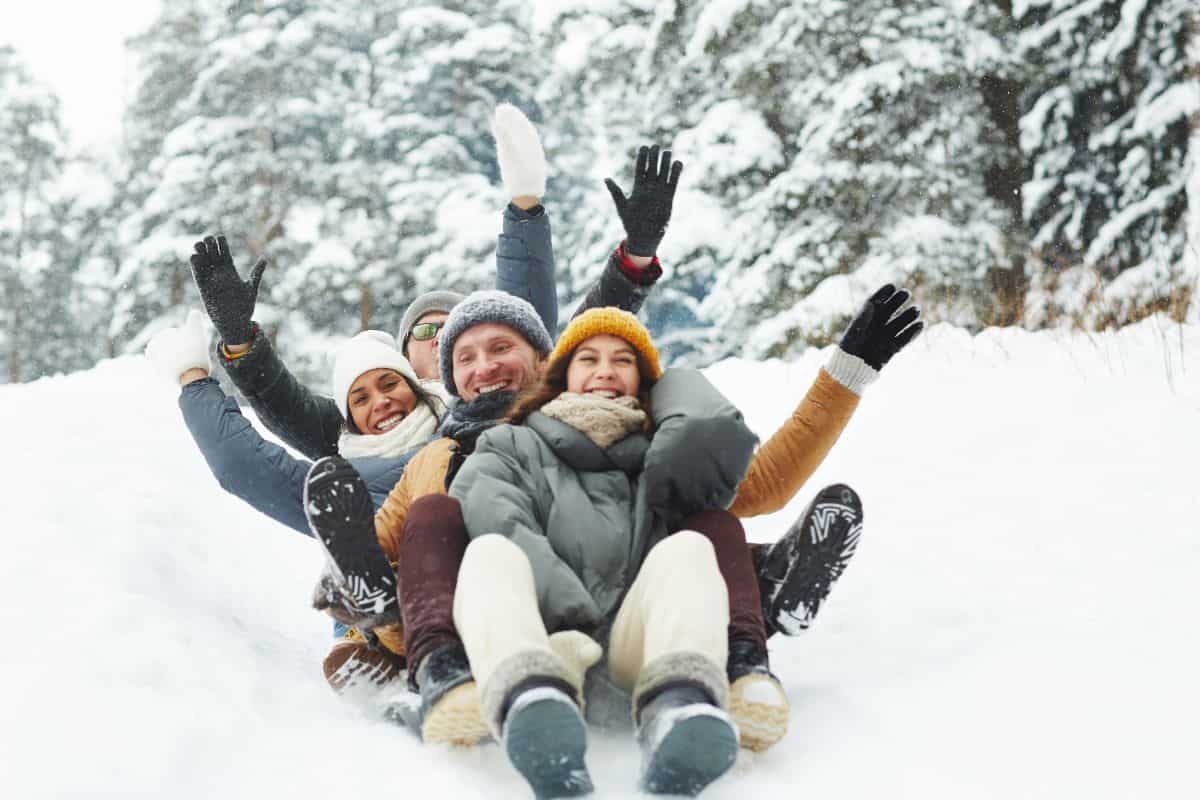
388 416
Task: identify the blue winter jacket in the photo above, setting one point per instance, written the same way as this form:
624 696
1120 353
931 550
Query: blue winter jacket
265 475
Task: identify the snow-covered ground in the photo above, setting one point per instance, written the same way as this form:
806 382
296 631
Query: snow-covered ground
1020 620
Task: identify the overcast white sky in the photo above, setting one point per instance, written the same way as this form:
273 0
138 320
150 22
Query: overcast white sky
77 48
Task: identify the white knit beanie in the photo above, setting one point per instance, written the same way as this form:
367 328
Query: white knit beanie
364 352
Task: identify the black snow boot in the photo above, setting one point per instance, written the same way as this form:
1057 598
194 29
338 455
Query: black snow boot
449 698
687 741
545 738
361 587
796 573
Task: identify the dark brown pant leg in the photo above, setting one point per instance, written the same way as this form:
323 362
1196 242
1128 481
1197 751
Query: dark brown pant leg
432 544
736 563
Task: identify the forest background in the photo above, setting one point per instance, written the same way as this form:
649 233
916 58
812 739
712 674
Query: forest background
1022 163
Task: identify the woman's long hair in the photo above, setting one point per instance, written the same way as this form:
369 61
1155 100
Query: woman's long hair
554 383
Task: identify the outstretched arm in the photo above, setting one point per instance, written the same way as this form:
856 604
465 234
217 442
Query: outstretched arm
305 420
633 268
247 466
793 453
261 473
308 422
524 253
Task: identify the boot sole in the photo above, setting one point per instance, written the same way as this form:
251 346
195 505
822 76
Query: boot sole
455 718
546 740
334 497
695 751
819 548
761 723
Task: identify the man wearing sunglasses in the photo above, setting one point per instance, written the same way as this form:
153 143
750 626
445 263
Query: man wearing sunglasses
419 329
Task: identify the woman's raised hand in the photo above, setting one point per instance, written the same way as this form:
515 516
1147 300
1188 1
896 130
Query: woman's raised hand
879 331
178 352
647 210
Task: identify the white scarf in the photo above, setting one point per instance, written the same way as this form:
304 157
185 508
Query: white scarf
413 431
602 420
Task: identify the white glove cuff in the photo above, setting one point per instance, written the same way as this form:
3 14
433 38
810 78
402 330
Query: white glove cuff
850 371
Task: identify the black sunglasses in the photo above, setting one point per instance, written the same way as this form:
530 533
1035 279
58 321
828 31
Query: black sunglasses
424 331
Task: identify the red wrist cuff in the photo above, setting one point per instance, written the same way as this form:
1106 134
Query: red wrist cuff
640 275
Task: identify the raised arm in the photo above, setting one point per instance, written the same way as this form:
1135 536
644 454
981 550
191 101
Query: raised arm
308 422
305 420
793 453
633 268
247 466
524 252
261 473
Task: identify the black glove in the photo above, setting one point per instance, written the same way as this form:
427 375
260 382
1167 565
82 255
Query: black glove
228 299
646 212
874 336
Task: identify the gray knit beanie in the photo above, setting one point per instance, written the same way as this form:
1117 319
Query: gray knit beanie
427 303
490 305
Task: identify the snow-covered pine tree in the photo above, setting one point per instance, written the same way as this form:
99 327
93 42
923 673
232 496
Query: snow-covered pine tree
70 295
443 69
848 144
1106 134
589 53
250 150
32 151
151 230
829 146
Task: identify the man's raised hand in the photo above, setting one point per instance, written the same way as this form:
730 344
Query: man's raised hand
228 299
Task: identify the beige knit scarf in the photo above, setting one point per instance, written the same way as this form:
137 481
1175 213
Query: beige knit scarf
603 421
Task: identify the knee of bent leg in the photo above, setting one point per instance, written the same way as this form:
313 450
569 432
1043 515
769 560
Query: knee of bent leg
493 554
685 550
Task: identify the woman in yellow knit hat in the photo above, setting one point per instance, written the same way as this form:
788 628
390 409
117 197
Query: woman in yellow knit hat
578 524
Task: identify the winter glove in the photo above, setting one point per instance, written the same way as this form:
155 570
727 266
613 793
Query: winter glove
647 210
228 299
874 336
519 151
173 351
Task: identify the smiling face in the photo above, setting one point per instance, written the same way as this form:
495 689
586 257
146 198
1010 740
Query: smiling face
423 353
379 400
604 365
490 357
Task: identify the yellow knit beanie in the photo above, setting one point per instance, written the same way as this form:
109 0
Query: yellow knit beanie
612 321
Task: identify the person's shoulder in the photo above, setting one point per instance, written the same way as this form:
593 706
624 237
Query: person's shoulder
520 441
436 451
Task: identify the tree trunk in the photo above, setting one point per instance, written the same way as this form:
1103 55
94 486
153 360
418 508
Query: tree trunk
1003 182
366 307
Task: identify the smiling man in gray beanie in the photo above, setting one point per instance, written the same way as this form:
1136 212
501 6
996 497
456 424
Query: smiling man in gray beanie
480 368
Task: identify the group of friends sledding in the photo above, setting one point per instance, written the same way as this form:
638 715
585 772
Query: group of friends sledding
524 532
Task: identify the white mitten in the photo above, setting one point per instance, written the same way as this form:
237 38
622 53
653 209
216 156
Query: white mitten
519 151
173 351
578 650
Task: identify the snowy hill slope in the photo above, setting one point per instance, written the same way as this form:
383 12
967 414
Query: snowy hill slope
1019 620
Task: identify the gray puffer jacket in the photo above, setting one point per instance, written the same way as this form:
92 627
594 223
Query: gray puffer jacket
586 516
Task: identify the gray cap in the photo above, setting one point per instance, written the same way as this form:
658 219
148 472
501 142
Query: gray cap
490 305
428 303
